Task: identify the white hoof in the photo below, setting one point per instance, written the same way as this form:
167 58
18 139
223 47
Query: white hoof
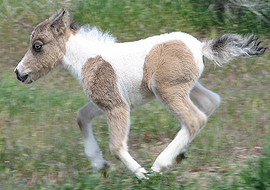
140 173
158 166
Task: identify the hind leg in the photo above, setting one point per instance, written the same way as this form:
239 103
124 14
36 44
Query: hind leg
206 100
85 117
177 101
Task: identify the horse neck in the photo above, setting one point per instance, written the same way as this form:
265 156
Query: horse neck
79 48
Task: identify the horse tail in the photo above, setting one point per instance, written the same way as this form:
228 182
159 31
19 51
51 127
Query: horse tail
229 46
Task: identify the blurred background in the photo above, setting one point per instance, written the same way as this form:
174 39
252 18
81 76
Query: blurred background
40 143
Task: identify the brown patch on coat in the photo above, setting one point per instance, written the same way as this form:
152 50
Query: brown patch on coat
100 84
170 71
170 63
118 120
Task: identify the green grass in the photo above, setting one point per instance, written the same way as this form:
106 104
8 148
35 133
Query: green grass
40 143
257 174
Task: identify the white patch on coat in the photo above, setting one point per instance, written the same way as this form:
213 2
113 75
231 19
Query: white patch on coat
127 59
19 66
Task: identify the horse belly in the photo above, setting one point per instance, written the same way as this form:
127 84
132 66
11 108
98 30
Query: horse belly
132 88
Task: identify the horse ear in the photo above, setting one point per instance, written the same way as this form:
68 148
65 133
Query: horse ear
60 21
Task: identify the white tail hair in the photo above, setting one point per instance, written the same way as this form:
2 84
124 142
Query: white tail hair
229 46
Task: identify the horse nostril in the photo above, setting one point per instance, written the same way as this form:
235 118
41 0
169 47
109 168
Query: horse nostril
19 77
23 78
17 74
16 71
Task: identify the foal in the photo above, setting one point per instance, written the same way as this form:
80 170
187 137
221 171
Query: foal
117 77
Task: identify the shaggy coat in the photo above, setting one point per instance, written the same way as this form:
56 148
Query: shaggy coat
118 77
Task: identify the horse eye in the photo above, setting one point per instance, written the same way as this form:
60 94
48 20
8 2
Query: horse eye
37 46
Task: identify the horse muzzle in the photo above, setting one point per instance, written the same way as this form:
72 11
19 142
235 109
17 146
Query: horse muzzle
20 77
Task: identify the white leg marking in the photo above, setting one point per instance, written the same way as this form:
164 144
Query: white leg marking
85 117
131 164
93 151
176 147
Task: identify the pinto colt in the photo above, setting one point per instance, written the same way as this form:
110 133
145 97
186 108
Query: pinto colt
118 77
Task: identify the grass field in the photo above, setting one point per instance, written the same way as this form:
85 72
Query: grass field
40 143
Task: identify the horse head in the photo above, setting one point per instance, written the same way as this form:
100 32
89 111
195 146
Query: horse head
47 48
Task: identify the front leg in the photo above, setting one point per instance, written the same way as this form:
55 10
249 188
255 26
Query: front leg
100 83
85 117
118 121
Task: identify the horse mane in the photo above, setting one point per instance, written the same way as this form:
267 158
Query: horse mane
94 33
